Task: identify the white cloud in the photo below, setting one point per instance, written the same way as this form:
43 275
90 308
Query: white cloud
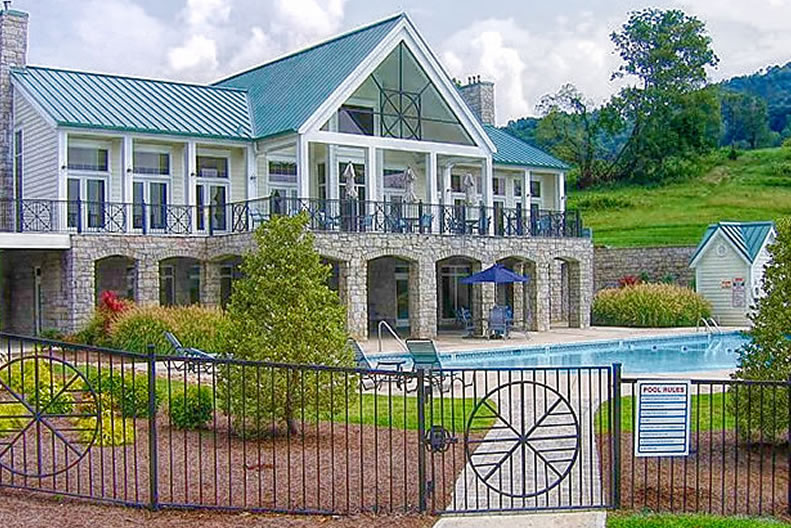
198 51
255 50
526 65
199 13
302 21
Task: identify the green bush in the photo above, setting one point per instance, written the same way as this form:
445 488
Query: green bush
192 409
195 326
649 305
601 202
126 394
113 430
41 386
787 143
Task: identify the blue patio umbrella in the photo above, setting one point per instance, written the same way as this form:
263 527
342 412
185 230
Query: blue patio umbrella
497 274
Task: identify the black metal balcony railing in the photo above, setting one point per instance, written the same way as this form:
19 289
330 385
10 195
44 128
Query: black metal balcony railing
53 216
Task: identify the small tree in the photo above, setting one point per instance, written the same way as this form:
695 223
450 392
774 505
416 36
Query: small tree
768 355
282 310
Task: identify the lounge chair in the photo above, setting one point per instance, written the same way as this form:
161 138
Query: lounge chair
498 322
464 319
192 353
426 357
363 361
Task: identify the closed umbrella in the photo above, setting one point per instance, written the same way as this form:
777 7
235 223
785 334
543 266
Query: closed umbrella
351 185
409 188
471 194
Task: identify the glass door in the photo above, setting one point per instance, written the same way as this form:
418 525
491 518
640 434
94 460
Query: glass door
149 198
215 196
402 296
95 207
455 295
86 199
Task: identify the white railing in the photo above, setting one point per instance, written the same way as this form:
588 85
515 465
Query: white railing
710 324
386 326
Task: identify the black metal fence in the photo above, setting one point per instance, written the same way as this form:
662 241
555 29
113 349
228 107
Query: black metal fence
183 432
79 216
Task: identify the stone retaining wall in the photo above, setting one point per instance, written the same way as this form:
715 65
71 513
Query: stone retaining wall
610 264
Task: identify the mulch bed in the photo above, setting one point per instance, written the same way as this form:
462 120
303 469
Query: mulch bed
24 509
722 476
327 468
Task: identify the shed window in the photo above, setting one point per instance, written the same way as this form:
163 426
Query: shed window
87 159
157 163
282 172
212 167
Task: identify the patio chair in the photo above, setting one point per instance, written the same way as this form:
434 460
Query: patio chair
426 357
257 216
191 353
326 222
370 381
426 221
498 322
464 319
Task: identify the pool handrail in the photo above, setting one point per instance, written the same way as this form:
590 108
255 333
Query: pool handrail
393 333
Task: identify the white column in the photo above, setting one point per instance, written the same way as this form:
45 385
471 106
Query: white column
510 202
446 183
333 177
380 175
263 177
303 168
371 171
250 175
561 191
63 174
526 177
190 179
487 174
127 180
431 178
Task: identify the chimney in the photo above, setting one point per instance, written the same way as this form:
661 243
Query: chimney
13 53
479 96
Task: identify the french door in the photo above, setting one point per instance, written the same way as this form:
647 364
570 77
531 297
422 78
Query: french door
150 202
86 202
212 200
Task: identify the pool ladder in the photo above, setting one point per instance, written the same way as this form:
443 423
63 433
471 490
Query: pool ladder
710 324
384 324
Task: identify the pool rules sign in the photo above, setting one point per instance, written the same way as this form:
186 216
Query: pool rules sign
663 418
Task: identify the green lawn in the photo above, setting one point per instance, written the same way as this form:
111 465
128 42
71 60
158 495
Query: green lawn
707 413
756 186
687 521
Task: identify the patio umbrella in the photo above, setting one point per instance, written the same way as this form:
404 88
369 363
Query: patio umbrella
470 192
497 274
351 186
409 188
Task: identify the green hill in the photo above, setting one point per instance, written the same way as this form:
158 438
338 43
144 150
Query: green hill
756 186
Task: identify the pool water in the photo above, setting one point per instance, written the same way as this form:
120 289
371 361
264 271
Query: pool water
681 353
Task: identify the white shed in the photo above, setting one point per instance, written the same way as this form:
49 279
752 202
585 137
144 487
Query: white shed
729 267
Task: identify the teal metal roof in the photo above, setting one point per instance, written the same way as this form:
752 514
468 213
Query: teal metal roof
513 151
286 92
92 100
747 237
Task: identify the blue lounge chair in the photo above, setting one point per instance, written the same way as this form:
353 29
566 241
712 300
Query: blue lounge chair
363 361
498 322
426 357
464 319
204 358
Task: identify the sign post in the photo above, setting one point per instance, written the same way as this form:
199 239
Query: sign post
663 418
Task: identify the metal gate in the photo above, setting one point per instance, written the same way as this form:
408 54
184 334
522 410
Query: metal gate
529 439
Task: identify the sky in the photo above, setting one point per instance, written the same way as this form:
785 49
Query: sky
528 48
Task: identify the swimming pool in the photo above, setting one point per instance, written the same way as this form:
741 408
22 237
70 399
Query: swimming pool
681 353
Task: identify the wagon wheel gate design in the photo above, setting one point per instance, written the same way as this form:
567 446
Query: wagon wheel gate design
49 416
532 443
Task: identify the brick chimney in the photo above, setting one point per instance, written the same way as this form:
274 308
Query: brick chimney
13 53
479 96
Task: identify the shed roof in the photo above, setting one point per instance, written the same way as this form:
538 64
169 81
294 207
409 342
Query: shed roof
514 151
747 237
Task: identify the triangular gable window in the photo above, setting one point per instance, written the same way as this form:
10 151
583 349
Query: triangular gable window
398 100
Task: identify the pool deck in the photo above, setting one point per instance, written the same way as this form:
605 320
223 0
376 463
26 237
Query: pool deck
450 341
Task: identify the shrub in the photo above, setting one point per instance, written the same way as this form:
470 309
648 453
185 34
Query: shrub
768 355
192 409
114 430
787 143
41 386
125 393
628 280
97 331
195 326
601 202
649 305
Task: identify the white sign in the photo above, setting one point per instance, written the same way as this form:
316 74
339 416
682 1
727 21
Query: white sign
663 418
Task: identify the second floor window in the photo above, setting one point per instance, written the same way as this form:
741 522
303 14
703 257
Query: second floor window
87 159
282 172
518 188
212 167
535 189
499 186
356 120
157 163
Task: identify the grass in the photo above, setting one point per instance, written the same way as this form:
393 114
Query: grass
401 412
709 413
756 186
642 520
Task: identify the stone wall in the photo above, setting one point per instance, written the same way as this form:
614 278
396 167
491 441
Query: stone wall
479 96
610 264
13 53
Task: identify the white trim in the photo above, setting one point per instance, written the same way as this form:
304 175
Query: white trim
406 31
32 102
34 241
705 249
408 145
166 138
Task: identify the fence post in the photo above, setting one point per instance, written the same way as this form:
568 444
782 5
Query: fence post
421 433
153 462
616 436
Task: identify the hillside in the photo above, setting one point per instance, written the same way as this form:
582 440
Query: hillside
772 84
756 186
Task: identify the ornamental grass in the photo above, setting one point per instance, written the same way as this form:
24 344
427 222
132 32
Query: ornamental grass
649 305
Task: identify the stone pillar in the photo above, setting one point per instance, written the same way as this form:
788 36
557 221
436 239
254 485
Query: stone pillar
210 284
81 285
148 282
357 299
519 296
530 291
542 285
488 294
575 294
13 53
423 299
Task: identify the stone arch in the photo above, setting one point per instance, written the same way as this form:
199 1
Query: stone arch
181 280
117 273
566 299
393 281
449 268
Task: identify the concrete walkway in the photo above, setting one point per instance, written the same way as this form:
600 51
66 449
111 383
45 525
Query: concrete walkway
533 520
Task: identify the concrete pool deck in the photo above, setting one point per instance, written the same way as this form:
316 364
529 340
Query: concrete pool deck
450 341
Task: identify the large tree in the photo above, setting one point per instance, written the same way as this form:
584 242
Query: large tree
745 119
665 54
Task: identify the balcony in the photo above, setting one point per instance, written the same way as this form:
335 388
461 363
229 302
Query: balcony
347 216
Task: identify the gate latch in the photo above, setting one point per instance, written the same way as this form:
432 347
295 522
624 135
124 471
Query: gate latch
438 439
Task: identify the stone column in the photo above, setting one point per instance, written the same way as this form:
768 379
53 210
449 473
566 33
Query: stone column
423 299
13 53
575 295
519 296
80 287
357 299
148 282
542 285
488 300
210 284
530 297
